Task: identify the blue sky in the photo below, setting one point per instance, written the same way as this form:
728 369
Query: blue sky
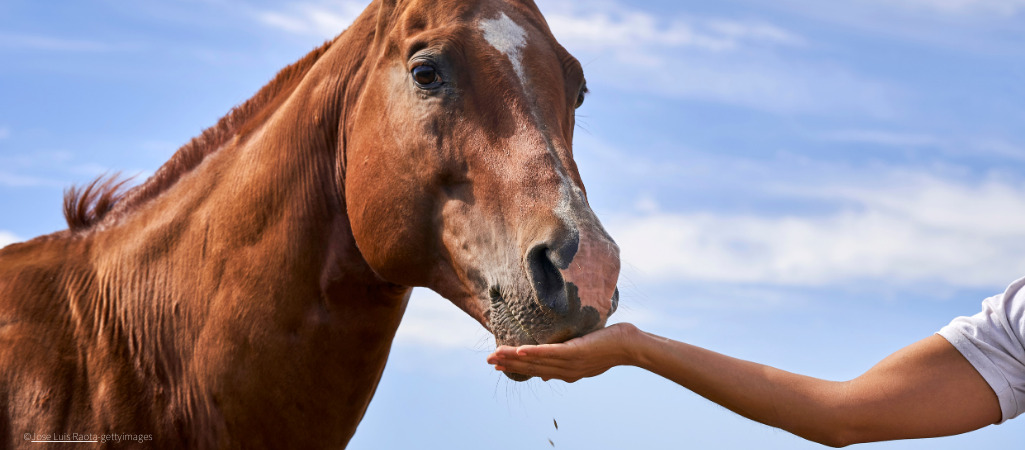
806 184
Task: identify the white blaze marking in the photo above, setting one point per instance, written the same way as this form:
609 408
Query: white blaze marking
507 37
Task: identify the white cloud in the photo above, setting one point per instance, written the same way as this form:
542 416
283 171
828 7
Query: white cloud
8 238
5 133
915 229
433 322
325 19
646 204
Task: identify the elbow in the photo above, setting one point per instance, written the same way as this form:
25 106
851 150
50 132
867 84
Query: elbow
844 424
830 436
839 437
836 432
837 441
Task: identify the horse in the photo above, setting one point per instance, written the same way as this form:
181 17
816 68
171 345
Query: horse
247 294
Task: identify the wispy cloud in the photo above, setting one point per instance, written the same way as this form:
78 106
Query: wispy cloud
52 169
8 238
712 59
917 228
884 138
325 19
999 147
621 29
50 43
748 63
1005 8
978 26
5 133
20 180
772 84
992 147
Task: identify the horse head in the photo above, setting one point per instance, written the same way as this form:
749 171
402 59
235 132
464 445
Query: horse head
459 173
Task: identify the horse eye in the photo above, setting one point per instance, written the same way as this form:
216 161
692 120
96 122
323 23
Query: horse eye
581 95
426 76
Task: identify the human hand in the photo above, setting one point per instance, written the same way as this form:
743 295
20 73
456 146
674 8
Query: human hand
572 360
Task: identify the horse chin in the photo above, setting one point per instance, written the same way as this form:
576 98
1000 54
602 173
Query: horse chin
515 343
517 377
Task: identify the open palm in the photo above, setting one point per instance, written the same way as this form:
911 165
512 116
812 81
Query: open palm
572 360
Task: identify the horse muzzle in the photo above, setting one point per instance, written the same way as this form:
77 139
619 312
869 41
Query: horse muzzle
572 292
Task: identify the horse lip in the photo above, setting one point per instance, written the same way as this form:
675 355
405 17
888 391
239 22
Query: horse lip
500 307
501 316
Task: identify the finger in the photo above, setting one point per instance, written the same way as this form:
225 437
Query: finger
543 360
554 351
537 370
500 359
504 355
506 351
525 369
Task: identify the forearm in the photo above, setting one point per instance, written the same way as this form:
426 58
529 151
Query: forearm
805 406
924 390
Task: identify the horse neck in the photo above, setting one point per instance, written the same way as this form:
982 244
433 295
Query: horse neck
254 238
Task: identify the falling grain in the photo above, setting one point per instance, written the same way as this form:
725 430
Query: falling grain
556 424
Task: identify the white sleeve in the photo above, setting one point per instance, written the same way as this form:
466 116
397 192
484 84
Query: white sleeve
994 342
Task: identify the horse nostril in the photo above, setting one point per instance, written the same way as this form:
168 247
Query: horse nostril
615 303
547 281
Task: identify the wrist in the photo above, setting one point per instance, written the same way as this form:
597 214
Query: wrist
644 354
634 347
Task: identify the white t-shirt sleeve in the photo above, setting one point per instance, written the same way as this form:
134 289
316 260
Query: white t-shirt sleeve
994 342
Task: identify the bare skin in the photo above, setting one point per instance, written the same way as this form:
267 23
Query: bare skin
927 389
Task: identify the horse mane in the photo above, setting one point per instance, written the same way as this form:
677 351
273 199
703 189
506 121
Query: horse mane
85 206
105 196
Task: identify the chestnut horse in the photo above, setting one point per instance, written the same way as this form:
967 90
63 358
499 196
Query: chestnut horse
247 295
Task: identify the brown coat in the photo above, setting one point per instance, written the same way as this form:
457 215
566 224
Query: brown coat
246 296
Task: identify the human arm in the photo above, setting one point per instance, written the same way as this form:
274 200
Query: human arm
926 389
